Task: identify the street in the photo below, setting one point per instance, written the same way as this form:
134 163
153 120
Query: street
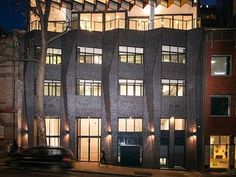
8 172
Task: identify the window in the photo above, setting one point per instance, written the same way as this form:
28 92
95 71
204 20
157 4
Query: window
89 87
220 105
164 124
173 54
52 88
91 21
131 87
114 20
89 135
131 54
89 55
52 130
179 124
130 124
220 65
173 87
53 56
219 151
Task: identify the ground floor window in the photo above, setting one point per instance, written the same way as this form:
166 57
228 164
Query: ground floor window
52 130
219 151
89 137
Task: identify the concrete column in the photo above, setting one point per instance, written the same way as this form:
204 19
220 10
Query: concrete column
151 16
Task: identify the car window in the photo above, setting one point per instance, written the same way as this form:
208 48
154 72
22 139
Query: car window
54 151
35 151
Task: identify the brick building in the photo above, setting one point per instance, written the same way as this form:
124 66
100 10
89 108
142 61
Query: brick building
220 89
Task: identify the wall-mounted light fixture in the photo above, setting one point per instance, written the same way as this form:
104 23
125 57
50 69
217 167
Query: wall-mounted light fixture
109 132
67 132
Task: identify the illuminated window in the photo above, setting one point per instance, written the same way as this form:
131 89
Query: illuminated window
131 87
220 105
173 54
131 54
179 124
173 87
53 56
130 124
89 136
220 65
52 88
52 130
114 20
89 87
219 151
91 21
89 55
164 124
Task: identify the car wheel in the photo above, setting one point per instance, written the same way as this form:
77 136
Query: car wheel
55 168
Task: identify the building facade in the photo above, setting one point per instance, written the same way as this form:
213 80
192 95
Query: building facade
220 124
125 91
11 89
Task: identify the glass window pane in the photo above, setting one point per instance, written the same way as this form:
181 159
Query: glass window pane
220 106
165 90
130 125
173 90
220 65
214 140
84 127
130 90
94 127
122 125
224 139
94 149
164 124
138 125
84 149
179 124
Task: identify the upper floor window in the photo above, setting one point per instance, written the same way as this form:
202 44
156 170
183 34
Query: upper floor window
220 105
89 55
220 65
52 130
53 56
179 123
173 87
52 88
89 87
131 87
173 54
131 54
130 124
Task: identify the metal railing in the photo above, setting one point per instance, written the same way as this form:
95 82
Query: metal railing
134 24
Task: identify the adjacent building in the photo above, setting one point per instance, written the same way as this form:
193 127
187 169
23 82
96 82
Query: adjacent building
11 89
219 98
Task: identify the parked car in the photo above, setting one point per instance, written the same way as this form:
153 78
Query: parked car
53 158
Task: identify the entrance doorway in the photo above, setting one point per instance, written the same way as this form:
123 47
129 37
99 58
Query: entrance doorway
130 150
130 155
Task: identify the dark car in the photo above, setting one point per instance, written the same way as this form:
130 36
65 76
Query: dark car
53 158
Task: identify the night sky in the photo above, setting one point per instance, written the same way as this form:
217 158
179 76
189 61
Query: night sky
13 13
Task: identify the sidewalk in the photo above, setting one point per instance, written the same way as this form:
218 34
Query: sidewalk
94 167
